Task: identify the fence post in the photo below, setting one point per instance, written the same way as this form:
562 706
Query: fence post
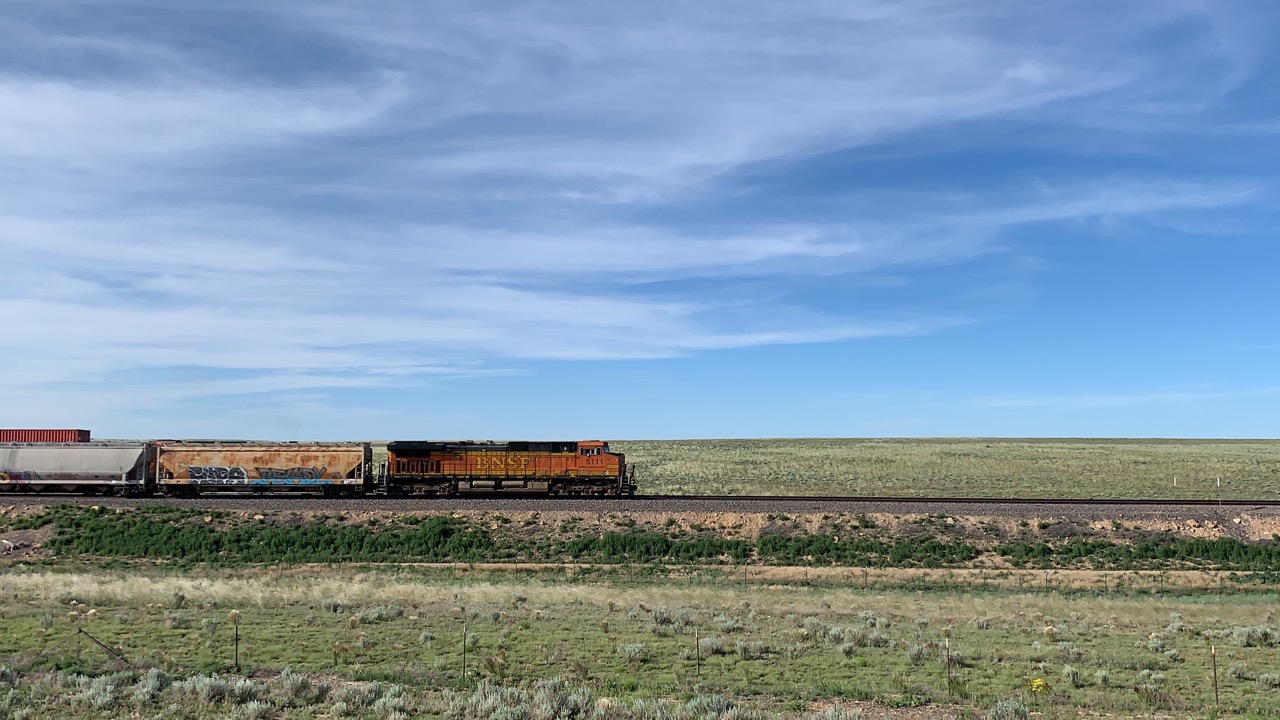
235 620
946 647
1213 653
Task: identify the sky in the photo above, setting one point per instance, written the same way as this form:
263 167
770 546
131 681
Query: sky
671 219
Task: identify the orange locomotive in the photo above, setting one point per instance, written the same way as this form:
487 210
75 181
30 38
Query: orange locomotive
543 468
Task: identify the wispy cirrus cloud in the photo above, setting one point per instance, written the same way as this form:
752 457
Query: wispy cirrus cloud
322 196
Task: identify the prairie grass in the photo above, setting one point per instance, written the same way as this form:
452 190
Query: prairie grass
979 467
791 647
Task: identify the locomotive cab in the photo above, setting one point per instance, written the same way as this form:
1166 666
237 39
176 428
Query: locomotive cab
594 458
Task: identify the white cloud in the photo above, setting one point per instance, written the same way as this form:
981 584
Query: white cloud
55 121
657 100
475 186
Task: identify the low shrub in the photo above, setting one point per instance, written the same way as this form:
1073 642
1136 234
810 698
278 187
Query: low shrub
1008 709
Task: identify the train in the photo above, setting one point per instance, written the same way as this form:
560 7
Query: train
403 468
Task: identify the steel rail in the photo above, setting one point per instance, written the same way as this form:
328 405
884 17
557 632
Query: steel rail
965 500
639 500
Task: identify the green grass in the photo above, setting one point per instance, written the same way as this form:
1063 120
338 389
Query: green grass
776 649
188 537
960 467
173 533
658 613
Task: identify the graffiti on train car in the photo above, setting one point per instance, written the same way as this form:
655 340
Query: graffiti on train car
292 474
217 473
236 475
13 476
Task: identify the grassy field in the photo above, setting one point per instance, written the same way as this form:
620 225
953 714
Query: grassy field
654 617
604 615
1206 469
669 647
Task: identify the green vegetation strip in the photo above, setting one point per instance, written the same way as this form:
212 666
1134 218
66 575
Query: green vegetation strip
221 539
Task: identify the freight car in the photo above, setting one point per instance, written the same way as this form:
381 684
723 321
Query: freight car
333 469
43 436
540 468
107 468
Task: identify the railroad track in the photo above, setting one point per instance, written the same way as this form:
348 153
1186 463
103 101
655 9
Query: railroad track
663 503
844 499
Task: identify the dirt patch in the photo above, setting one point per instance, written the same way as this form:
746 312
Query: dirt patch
978 529
8 512
868 709
24 544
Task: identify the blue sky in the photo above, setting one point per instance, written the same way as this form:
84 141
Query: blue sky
647 220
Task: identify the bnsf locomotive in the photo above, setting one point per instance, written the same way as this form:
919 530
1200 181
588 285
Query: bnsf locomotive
423 468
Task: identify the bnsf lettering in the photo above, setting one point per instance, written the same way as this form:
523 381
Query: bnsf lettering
500 462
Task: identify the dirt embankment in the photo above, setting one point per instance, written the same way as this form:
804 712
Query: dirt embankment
981 530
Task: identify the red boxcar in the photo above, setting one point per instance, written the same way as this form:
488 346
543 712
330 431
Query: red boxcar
43 436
